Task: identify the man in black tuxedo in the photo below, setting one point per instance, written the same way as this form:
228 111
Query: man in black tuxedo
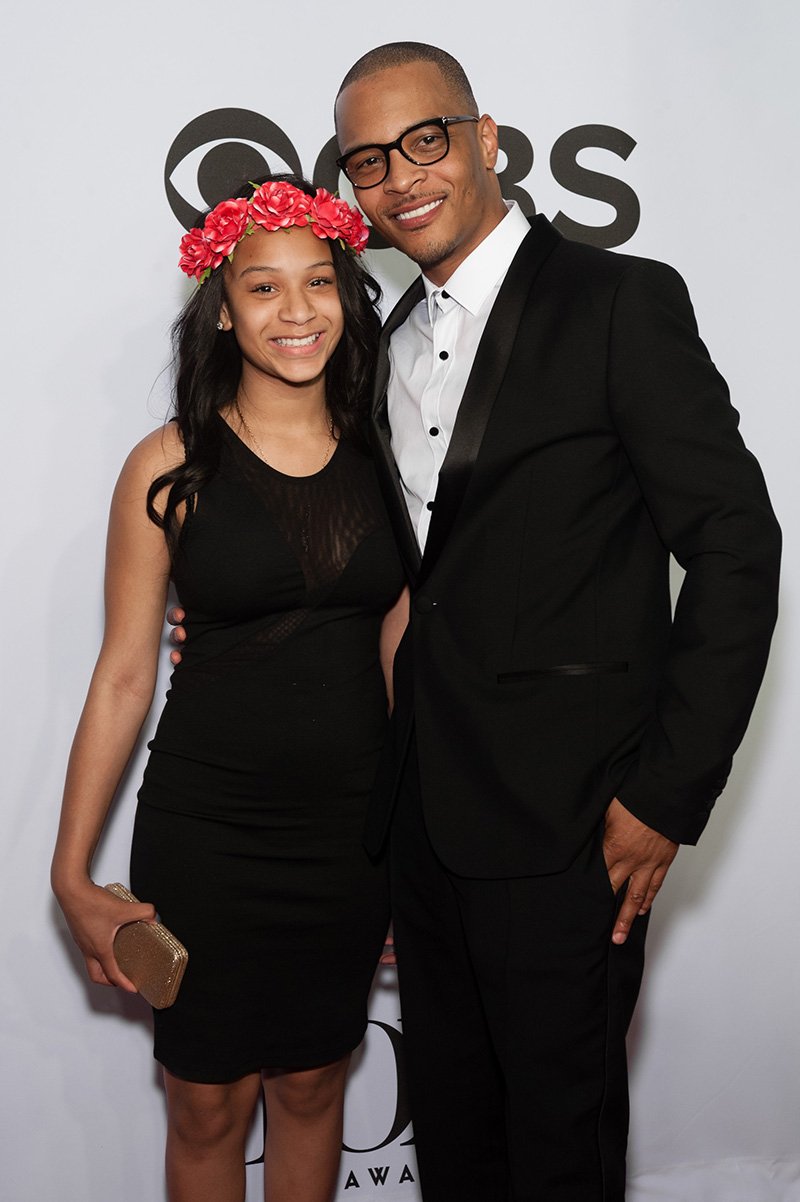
549 427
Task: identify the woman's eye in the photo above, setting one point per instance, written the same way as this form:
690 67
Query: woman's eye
264 288
320 279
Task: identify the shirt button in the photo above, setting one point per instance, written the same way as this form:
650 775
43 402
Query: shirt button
434 430
424 605
429 505
444 355
445 295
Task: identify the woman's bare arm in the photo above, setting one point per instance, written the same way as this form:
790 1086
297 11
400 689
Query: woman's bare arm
119 698
394 624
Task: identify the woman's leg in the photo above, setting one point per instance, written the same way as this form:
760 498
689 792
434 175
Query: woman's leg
304 1132
207 1128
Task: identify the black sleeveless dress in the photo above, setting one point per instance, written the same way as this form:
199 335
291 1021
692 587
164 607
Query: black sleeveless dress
248 830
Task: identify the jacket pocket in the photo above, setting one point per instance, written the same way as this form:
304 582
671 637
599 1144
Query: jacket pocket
593 669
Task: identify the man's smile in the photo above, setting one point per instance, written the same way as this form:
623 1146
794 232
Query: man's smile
421 211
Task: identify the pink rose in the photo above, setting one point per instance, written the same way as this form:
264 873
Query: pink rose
197 257
277 205
226 225
334 218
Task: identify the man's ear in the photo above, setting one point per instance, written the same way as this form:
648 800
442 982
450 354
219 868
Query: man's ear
487 141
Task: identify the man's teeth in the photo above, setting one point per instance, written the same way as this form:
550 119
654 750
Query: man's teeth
418 212
297 341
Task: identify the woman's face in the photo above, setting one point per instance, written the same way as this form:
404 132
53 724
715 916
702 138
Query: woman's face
283 305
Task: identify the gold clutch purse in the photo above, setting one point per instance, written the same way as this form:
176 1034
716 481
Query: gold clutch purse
150 956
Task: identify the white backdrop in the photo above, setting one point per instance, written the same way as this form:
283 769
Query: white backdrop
92 99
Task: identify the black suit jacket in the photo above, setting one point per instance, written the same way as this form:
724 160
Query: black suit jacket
542 669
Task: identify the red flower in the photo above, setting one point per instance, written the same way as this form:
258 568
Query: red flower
277 205
359 232
226 225
273 206
334 218
197 257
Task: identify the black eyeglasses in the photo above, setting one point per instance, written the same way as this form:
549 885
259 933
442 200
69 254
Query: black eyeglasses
422 144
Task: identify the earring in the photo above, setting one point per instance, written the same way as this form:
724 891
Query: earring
220 325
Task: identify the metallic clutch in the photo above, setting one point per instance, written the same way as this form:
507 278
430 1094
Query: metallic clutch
150 956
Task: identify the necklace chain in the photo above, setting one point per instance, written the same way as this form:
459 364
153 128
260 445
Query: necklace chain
256 444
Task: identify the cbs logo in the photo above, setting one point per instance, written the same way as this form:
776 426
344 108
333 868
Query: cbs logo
225 147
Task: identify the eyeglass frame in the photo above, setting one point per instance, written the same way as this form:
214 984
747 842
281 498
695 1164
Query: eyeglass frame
387 147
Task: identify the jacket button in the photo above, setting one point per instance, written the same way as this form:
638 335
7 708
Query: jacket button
423 604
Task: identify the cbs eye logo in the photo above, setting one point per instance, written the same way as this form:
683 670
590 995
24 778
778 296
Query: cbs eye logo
222 149
231 137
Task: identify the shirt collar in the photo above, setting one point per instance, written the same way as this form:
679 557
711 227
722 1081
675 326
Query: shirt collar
473 280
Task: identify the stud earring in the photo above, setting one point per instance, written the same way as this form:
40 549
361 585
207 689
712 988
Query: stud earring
220 325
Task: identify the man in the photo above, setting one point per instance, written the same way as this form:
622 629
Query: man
549 427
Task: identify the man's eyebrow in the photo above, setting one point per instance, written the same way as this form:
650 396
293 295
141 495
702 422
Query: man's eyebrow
279 270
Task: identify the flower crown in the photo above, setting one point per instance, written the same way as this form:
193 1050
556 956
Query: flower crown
273 206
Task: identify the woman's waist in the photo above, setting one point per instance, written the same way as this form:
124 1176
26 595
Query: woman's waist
271 678
299 645
251 714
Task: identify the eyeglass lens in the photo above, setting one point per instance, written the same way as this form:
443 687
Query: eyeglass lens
424 145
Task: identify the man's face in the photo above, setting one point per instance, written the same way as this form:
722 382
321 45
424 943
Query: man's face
436 214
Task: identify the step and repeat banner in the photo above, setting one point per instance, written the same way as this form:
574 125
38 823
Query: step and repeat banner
665 130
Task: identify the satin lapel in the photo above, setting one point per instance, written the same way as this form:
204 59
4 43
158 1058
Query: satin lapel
382 440
483 385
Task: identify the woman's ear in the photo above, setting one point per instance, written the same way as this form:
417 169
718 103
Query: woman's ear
225 322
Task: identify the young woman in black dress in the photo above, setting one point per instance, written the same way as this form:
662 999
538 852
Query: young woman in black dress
259 501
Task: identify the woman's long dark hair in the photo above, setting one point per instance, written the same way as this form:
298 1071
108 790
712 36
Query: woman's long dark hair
208 368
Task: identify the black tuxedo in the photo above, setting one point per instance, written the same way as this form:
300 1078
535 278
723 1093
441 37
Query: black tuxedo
594 437
541 675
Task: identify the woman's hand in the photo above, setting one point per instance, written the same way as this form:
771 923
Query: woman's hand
94 916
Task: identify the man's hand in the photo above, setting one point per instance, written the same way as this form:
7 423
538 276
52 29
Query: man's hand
175 617
639 855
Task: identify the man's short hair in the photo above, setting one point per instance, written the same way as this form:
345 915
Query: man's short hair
401 54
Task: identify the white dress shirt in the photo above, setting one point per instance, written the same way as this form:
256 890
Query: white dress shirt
431 358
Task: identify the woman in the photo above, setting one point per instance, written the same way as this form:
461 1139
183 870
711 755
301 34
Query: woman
260 504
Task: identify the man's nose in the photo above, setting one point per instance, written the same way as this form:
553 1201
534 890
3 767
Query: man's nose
403 175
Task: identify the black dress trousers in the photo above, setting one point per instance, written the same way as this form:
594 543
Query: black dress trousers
515 1008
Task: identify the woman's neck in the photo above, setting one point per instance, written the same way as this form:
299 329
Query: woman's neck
282 408
295 434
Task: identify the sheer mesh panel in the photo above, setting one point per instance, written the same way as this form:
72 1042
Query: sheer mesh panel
324 519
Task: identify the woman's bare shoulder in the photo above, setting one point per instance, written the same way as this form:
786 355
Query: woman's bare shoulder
159 451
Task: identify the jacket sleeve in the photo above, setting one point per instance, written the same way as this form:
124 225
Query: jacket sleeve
708 501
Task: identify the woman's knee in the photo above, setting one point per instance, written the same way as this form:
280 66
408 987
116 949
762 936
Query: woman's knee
208 1116
307 1093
